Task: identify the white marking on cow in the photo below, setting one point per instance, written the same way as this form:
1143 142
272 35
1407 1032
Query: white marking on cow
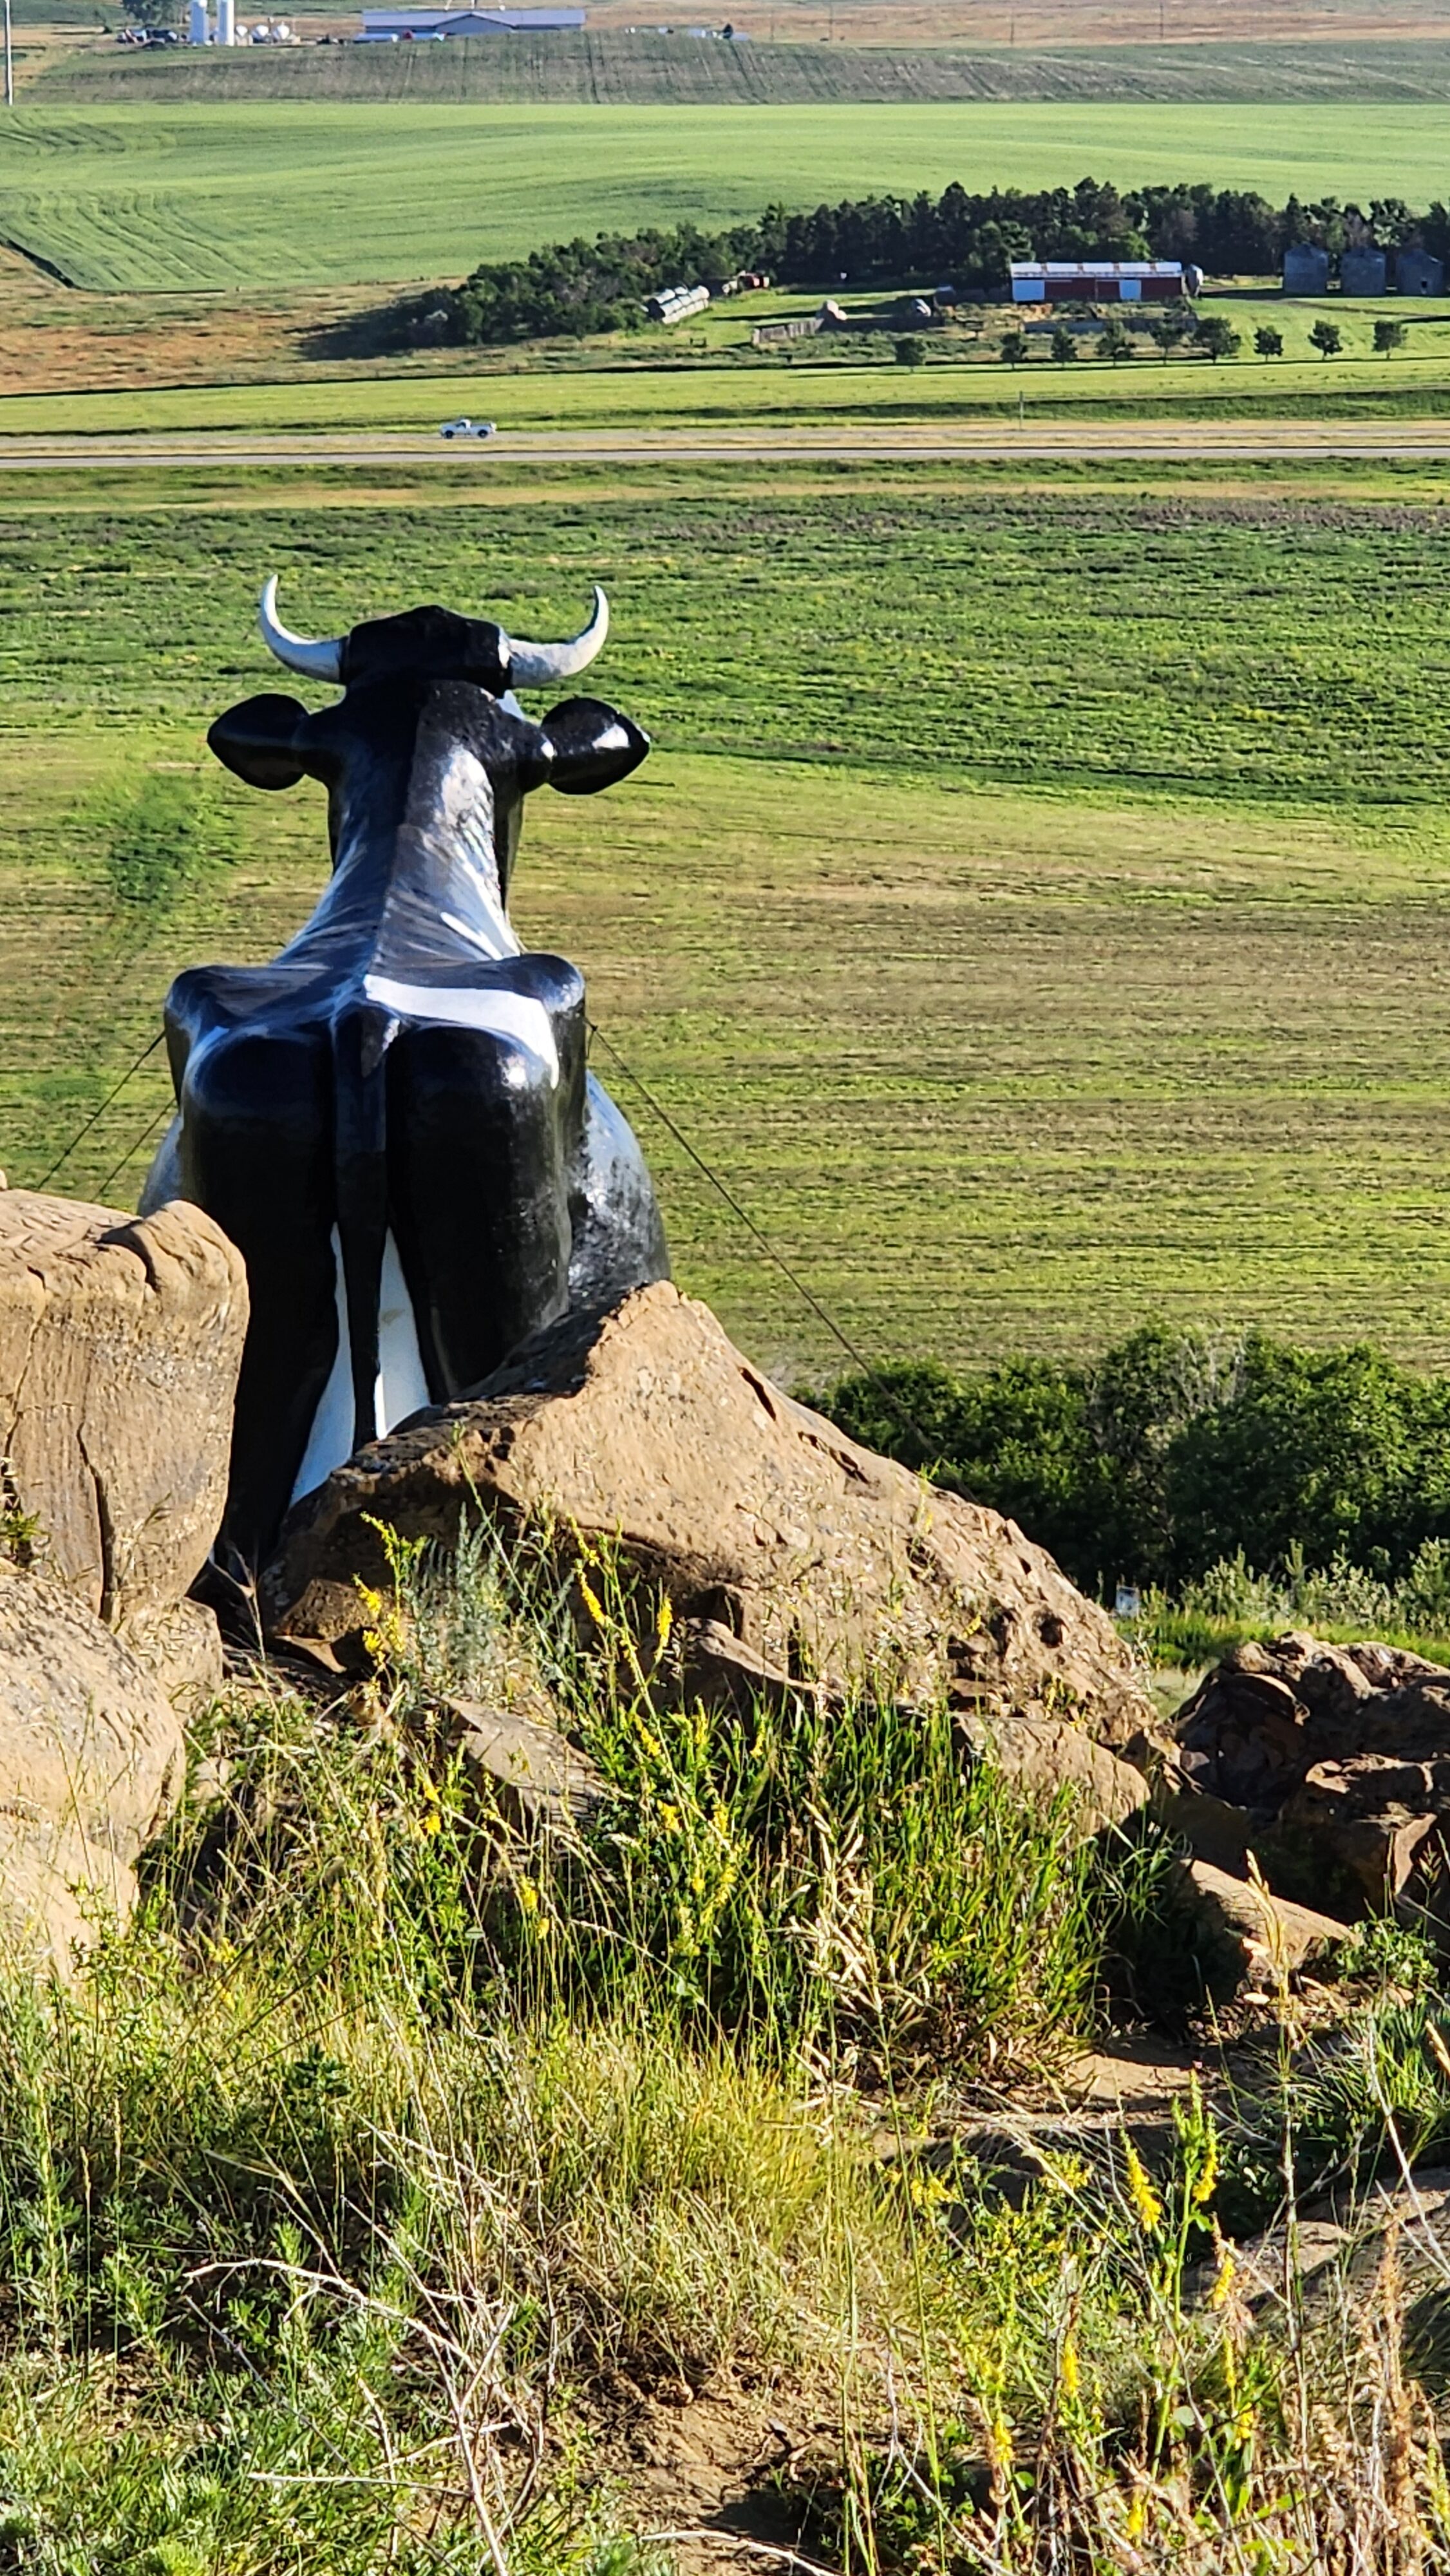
330 1440
503 1015
400 1389
491 948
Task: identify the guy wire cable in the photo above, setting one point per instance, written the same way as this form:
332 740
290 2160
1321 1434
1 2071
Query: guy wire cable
767 1247
147 1131
82 1133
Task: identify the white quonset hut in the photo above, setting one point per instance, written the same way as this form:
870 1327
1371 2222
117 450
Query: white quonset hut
1103 281
676 303
381 23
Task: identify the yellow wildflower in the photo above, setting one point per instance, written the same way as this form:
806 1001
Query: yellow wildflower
1207 2183
1070 2374
591 1601
1144 2198
664 1621
928 2191
1137 2521
1223 2279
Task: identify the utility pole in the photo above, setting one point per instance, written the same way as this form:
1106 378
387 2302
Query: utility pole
9 62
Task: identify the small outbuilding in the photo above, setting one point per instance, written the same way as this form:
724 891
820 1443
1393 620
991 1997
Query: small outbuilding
677 303
1306 269
1419 272
1364 271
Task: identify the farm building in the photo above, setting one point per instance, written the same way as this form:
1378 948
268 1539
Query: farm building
676 303
381 23
1102 281
1363 272
1419 272
1306 269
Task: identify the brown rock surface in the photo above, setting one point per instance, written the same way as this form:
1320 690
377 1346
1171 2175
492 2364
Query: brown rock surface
1250 1933
90 1760
647 1426
120 1343
1333 1764
1046 1755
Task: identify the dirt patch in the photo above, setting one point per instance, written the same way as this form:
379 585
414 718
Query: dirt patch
704 2476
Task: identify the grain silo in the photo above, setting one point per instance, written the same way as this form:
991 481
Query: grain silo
1306 269
1419 272
1361 272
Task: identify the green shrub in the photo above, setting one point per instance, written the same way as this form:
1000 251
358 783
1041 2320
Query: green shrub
1173 1455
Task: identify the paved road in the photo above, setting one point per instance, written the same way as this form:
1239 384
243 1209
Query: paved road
1419 442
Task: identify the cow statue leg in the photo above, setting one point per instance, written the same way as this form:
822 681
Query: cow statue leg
256 1152
478 1190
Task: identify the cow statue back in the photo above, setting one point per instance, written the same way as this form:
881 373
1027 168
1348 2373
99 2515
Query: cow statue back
394 1120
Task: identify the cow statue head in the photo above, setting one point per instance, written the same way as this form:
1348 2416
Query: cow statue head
428 714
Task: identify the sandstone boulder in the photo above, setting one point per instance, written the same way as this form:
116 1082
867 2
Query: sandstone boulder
120 1343
1243 1931
1331 1763
646 1426
90 1761
1047 1757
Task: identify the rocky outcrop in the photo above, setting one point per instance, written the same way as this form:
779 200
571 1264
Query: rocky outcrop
1330 1763
90 1762
646 1428
120 1343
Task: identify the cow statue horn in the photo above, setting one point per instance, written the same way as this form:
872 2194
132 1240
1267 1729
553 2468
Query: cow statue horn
320 660
539 666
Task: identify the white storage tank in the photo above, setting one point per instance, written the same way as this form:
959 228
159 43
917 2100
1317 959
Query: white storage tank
226 22
197 31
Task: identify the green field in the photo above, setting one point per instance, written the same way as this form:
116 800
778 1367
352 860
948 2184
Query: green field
292 194
1035 909
616 67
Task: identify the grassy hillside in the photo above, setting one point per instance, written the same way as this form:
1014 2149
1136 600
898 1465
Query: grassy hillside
617 67
407 2191
1035 909
292 194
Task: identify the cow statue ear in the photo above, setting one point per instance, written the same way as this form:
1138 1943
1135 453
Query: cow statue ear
258 740
590 746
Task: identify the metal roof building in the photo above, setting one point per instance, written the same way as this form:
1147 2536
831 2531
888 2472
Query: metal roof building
1102 281
467 22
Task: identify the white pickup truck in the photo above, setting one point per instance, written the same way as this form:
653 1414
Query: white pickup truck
463 427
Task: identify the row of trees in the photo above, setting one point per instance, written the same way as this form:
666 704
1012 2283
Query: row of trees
579 287
1214 335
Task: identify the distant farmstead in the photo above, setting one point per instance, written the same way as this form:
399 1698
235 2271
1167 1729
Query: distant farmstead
1103 281
380 24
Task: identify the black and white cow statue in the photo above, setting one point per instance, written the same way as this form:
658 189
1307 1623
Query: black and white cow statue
393 1120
